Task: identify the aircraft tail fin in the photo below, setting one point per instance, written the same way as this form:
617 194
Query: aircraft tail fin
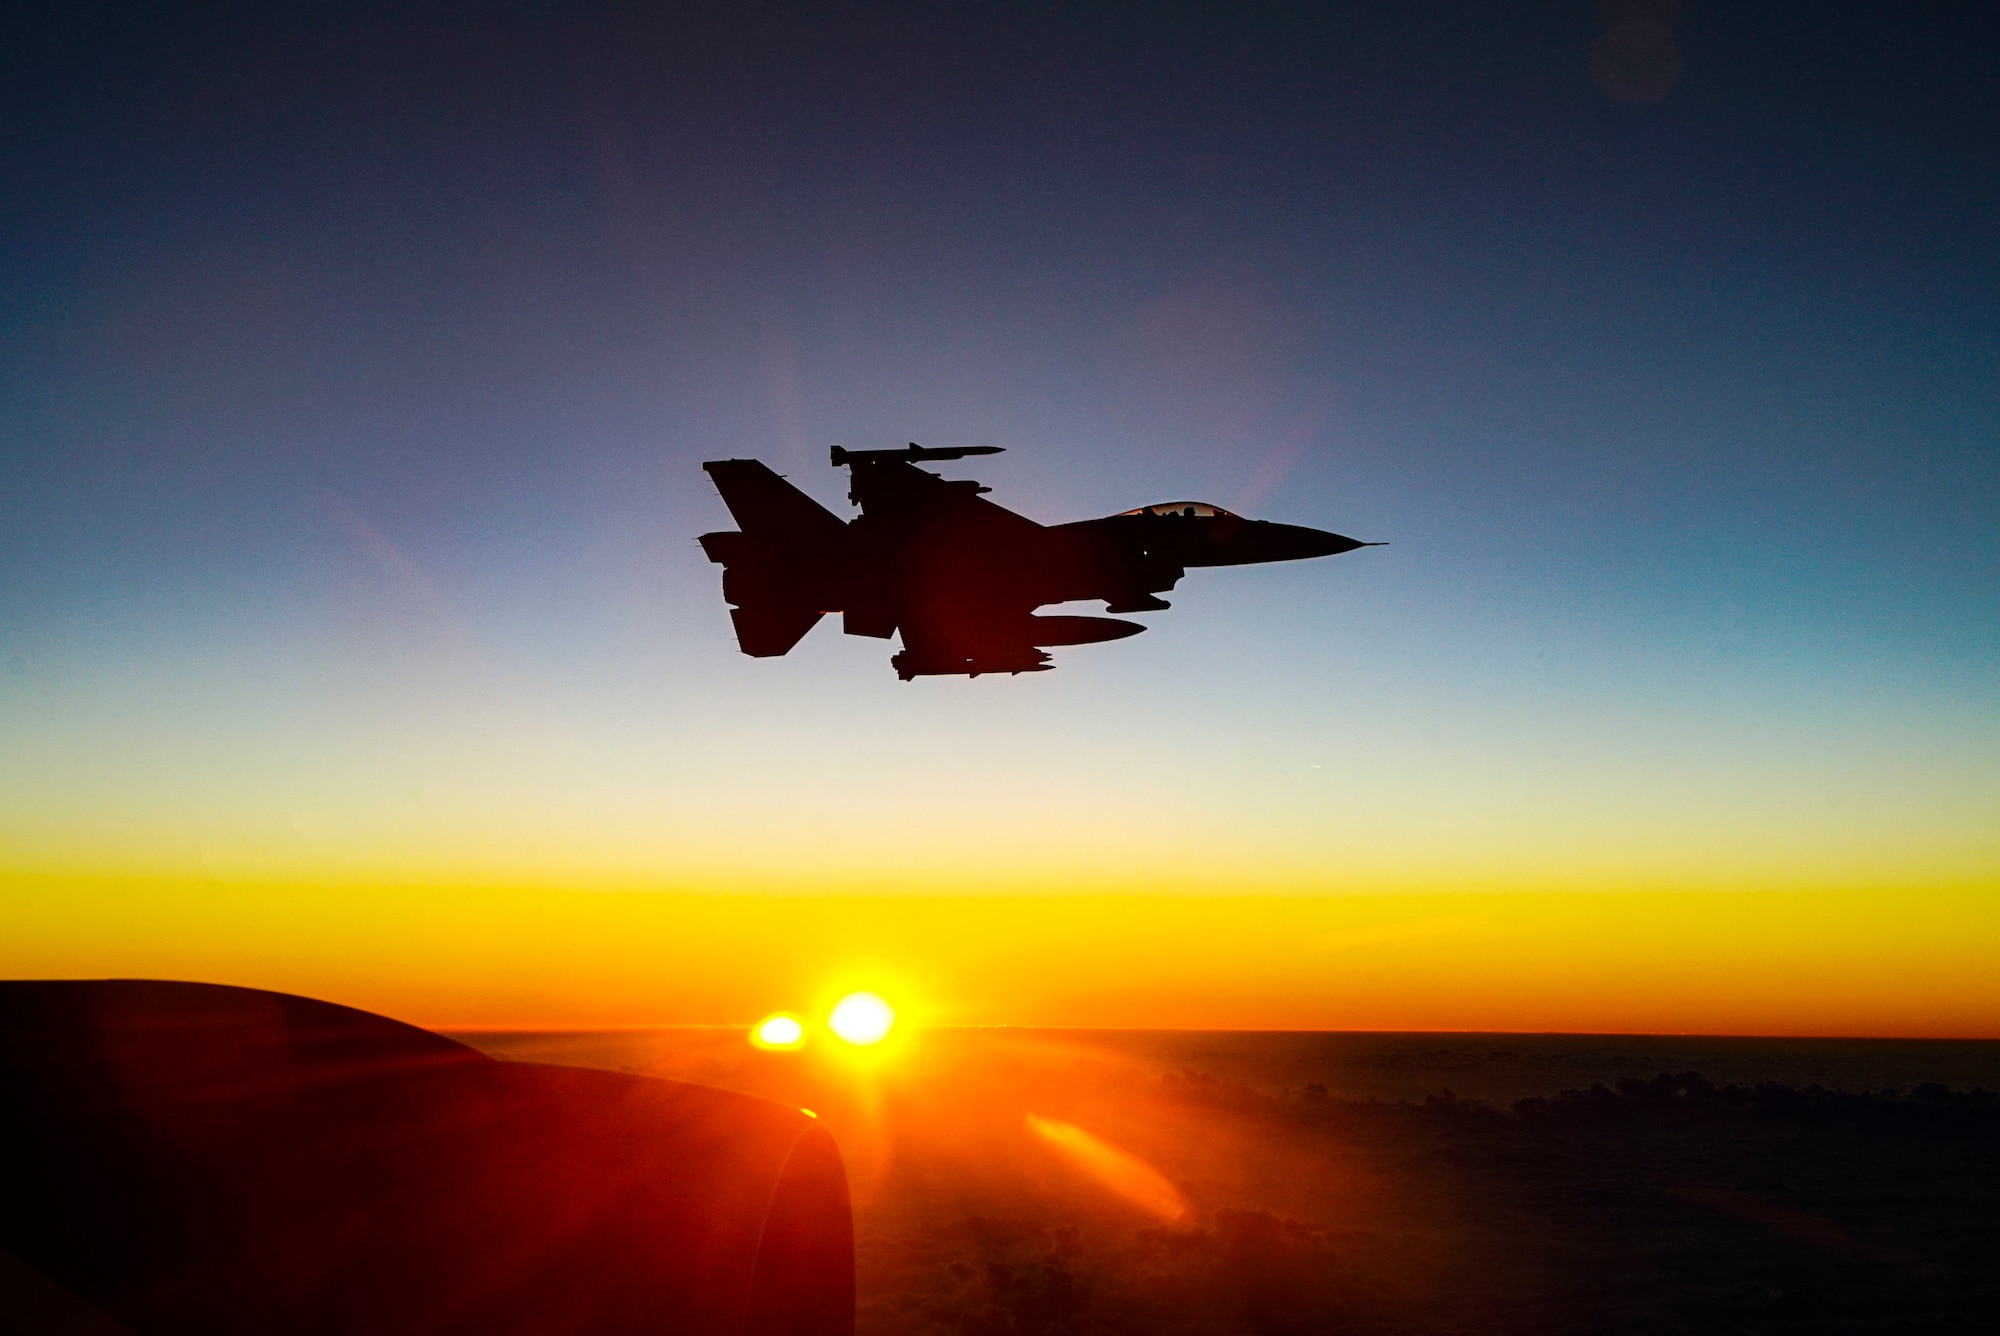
768 507
766 630
780 572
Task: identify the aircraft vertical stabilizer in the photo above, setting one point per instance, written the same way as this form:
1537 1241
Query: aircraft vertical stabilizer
769 508
777 572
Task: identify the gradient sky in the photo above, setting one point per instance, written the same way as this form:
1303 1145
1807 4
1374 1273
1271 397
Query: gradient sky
356 366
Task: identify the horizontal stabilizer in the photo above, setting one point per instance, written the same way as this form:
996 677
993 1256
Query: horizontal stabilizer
765 631
727 548
768 507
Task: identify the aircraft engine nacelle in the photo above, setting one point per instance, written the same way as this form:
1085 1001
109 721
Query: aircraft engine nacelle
185 1158
762 572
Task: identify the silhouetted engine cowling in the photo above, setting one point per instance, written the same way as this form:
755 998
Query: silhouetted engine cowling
758 572
188 1158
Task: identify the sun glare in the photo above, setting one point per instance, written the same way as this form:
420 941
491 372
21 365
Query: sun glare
779 1031
1121 1171
861 1019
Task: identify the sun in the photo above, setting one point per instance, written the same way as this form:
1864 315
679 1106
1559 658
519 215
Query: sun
778 1031
861 1019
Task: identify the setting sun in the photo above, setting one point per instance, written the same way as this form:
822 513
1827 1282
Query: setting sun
779 1031
861 1019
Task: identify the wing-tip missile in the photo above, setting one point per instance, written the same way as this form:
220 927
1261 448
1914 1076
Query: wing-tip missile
915 452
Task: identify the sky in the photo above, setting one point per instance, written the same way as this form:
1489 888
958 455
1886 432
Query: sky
357 364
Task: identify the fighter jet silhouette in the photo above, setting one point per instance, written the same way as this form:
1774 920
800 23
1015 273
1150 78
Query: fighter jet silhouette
958 576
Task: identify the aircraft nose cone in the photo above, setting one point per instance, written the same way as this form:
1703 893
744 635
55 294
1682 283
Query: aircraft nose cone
1235 542
1295 542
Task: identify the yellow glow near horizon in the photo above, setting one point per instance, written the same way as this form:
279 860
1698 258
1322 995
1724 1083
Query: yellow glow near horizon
861 1019
778 1031
1896 962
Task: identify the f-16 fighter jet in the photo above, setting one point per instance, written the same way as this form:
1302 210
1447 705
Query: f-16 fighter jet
959 577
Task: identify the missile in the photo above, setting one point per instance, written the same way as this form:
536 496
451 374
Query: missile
914 453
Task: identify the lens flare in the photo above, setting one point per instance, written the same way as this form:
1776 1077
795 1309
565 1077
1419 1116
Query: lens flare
861 1019
779 1031
1122 1172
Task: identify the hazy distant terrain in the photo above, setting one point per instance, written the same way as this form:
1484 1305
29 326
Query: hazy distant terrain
1319 1182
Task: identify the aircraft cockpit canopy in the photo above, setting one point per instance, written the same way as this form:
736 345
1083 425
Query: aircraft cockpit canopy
1180 509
